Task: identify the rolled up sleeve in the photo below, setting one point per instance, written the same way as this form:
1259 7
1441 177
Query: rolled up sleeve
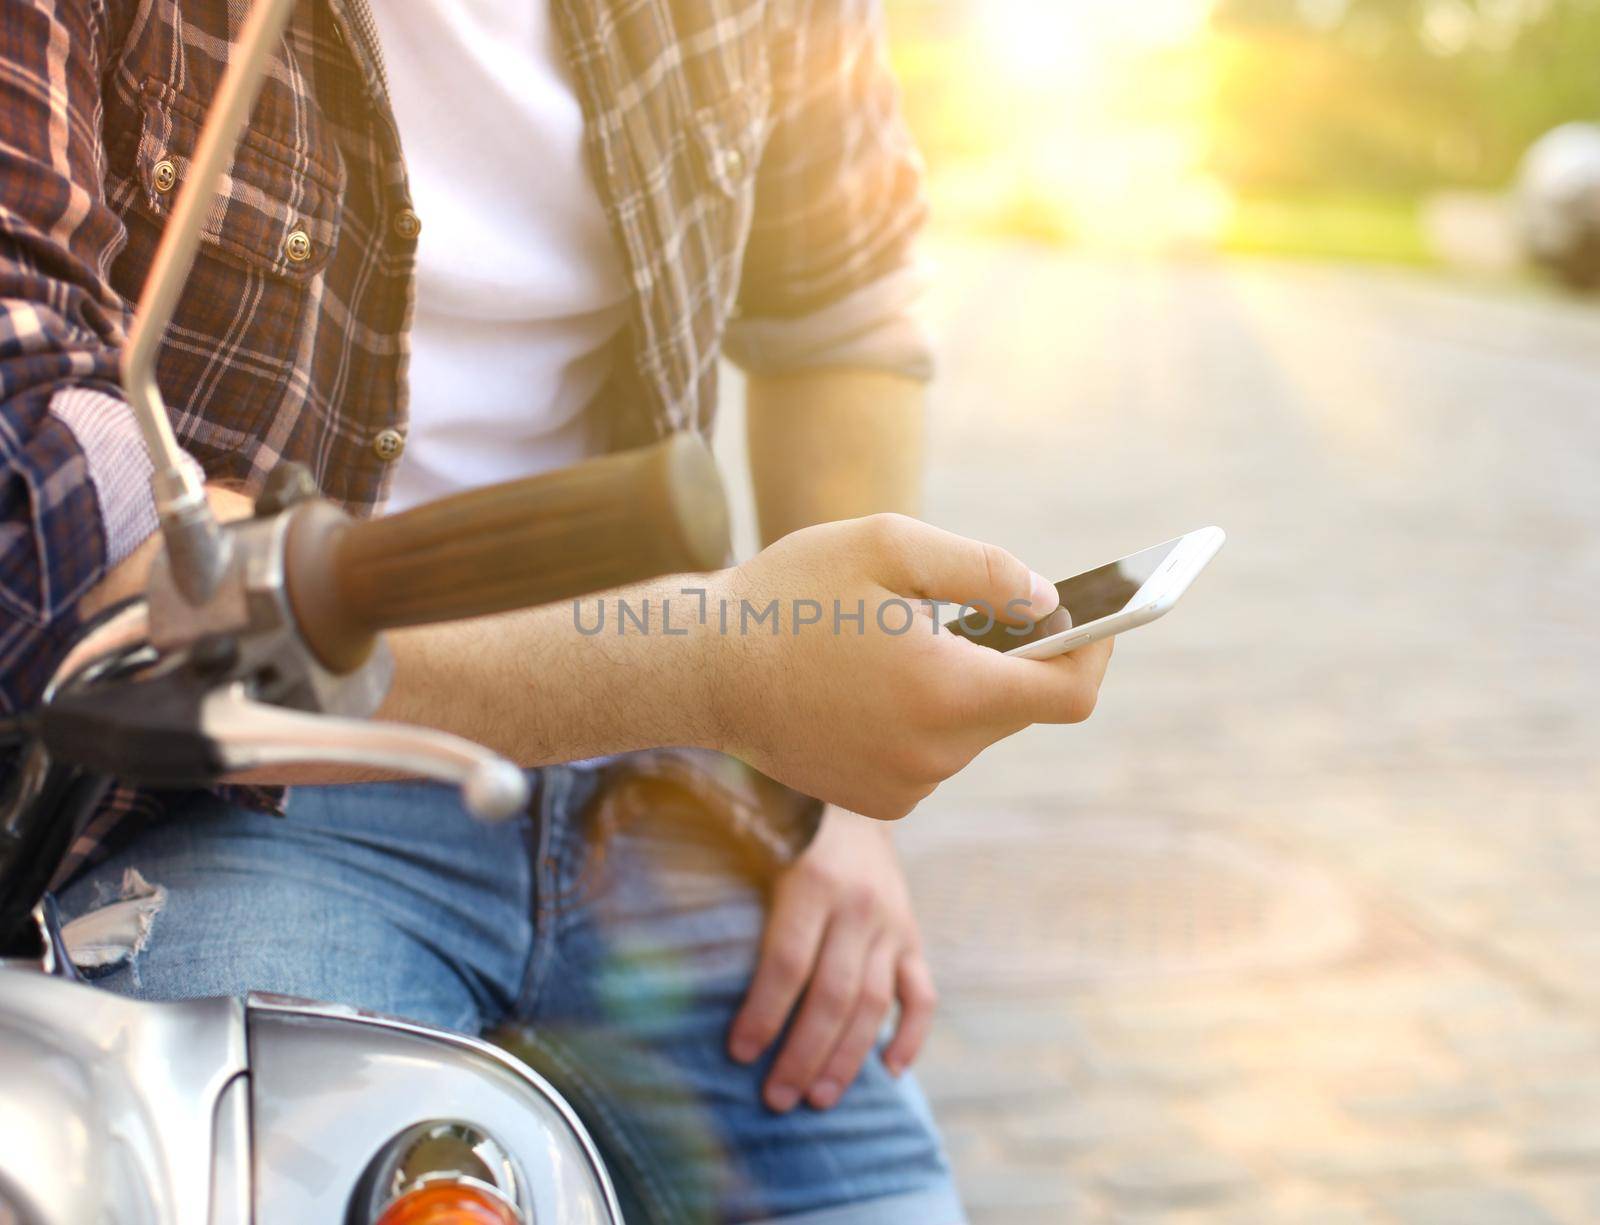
118 465
832 276
877 327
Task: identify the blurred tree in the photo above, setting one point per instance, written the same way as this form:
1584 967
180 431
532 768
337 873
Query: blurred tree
1394 97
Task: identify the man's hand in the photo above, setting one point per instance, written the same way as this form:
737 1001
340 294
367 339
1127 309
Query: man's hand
858 714
842 931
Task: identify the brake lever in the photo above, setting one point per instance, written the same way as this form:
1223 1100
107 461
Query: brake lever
117 631
248 735
194 716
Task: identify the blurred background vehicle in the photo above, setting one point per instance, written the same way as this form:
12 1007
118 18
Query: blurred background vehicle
1558 198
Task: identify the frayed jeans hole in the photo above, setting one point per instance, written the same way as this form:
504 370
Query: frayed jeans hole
118 929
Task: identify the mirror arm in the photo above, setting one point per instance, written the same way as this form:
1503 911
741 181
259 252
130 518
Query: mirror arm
195 542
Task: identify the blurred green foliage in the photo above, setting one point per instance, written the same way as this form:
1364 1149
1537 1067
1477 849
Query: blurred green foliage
1328 126
1395 97
1327 225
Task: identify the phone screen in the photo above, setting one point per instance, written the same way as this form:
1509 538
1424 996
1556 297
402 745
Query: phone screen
1084 597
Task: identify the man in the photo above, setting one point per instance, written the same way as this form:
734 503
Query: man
594 199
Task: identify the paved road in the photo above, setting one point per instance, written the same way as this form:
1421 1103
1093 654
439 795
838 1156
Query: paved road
1305 925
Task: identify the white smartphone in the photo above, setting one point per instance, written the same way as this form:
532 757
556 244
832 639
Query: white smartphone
1103 602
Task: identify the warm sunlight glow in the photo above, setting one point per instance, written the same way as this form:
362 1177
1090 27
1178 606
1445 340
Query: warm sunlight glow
1058 41
1091 115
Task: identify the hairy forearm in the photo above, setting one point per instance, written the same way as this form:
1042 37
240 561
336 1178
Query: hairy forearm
530 686
834 444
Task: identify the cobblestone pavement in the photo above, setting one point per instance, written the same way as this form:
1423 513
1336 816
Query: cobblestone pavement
1304 926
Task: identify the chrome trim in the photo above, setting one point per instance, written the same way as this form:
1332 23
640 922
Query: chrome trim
251 607
251 735
483 1163
283 1006
54 959
232 1182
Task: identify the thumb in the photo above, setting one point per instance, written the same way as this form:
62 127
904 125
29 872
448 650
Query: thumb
931 564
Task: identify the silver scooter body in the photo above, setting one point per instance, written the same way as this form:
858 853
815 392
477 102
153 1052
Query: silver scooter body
266 1111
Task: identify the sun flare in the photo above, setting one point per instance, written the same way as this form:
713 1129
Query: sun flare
1055 42
1093 114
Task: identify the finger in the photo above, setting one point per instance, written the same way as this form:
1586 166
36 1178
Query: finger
788 954
1060 690
860 1032
1067 688
830 1000
918 1000
927 563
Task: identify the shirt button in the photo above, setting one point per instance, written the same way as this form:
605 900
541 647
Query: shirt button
298 247
164 175
388 445
407 224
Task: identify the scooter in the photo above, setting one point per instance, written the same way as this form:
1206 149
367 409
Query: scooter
259 644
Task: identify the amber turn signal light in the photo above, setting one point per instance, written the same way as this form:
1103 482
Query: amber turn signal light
450 1203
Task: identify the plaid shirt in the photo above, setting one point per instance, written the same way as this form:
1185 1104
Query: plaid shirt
749 153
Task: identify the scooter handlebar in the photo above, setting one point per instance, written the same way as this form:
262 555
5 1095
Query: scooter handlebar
611 521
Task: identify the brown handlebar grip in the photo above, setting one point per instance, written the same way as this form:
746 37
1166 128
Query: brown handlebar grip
601 524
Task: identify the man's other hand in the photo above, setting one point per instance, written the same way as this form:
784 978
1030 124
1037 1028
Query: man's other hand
842 943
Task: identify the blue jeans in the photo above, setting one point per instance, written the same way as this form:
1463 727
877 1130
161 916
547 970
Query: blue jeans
614 965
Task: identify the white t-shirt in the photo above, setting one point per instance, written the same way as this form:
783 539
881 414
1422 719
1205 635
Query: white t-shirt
520 286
